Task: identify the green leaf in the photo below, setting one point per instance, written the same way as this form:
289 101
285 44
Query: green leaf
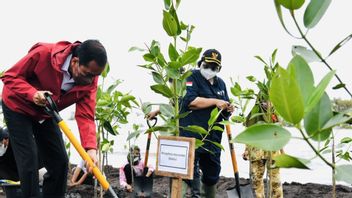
213 116
287 161
346 140
127 98
112 87
339 86
336 120
106 70
190 56
261 60
175 65
286 96
217 128
251 78
340 44
303 75
157 78
316 119
216 144
318 92
314 12
183 26
105 147
173 54
196 129
199 143
107 126
279 14
180 88
291 4
172 11
225 122
167 4
136 49
273 55
163 90
186 75
236 89
183 115
178 3
146 107
167 110
149 57
173 73
133 135
344 173
169 24
161 60
165 128
268 137
307 54
238 119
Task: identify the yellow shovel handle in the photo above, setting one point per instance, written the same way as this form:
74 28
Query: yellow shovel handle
232 150
103 182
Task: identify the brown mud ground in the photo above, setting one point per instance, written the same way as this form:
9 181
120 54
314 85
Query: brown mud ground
161 188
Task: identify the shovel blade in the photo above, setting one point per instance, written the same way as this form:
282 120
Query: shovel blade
143 186
245 190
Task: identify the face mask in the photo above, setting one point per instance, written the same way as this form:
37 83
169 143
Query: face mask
136 160
208 73
2 149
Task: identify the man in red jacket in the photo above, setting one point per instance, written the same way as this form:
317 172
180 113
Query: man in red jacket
69 73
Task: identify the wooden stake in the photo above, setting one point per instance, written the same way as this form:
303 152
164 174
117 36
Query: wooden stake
176 190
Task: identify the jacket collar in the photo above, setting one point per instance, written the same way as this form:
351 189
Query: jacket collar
60 51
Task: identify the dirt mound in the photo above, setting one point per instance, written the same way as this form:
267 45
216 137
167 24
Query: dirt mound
161 188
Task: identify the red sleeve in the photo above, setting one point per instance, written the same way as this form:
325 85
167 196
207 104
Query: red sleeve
16 78
85 113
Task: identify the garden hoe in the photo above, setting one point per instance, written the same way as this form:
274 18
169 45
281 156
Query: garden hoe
51 109
144 185
238 191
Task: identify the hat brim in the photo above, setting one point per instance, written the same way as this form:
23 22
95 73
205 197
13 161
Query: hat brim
212 61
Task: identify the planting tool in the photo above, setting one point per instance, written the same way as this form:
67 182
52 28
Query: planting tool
52 110
149 140
238 191
143 186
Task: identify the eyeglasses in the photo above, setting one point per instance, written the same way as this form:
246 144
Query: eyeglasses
213 67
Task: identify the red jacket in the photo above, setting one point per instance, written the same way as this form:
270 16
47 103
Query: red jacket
40 69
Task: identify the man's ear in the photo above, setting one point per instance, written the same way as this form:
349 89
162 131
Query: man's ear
74 60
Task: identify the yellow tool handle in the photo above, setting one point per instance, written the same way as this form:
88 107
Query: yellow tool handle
103 182
232 150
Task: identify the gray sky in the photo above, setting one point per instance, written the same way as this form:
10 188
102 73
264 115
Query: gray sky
238 29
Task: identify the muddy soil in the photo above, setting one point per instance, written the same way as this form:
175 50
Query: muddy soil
161 187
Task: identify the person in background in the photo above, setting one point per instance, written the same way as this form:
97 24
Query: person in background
259 159
69 73
8 169
205 91
135 164
80 175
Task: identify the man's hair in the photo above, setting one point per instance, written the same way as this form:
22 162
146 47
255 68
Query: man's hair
91 50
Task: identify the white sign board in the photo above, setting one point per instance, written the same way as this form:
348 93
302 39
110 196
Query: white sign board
175 156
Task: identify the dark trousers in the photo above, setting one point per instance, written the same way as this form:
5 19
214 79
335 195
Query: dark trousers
8 169
128 173
29 139
210 165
